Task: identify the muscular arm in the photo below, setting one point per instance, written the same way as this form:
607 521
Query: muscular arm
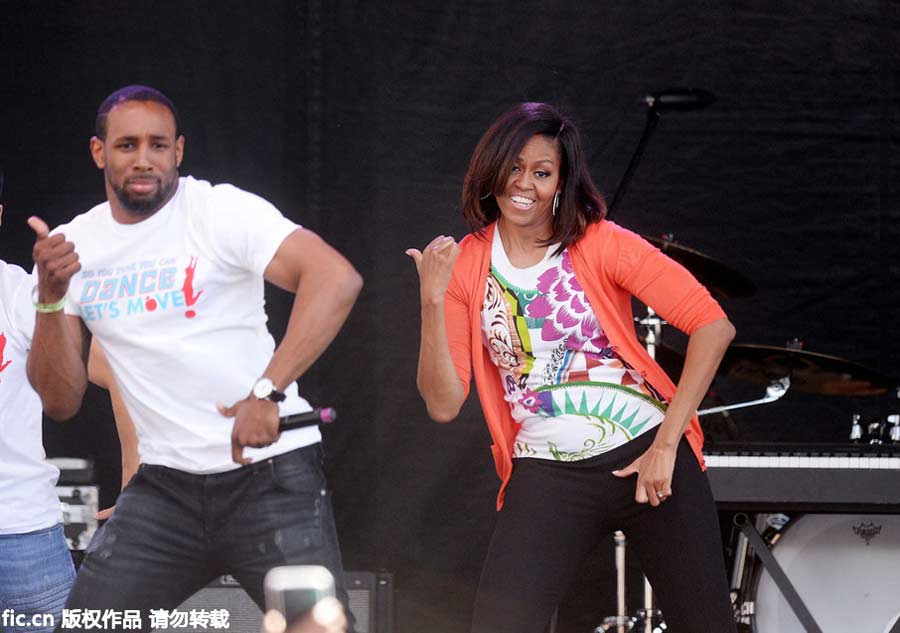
59 349
57 363
325 285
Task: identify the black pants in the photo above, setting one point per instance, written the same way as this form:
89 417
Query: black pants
172 532
555 513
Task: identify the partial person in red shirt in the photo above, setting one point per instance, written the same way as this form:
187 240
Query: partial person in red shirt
36 570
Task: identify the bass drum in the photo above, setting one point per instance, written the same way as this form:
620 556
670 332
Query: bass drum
846 568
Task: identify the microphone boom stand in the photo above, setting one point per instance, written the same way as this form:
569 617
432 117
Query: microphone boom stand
649 128
674 99
653 327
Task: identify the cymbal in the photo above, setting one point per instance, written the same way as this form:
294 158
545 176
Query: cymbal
721 280
809 372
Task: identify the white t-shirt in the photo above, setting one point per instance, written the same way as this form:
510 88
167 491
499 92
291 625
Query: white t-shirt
27 482
177 302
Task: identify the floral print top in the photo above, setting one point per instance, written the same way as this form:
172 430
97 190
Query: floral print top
573 396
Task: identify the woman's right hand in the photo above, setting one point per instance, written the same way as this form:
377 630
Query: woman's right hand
436 376
435 265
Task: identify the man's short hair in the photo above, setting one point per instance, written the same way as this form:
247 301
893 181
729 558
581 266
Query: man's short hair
132 93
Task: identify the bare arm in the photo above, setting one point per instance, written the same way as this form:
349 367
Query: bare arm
58 357
100 373
326 286
436 376
706 347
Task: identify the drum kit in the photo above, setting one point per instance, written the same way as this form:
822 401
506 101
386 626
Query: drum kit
844 588
843 570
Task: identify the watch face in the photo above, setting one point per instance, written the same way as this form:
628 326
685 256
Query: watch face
263 388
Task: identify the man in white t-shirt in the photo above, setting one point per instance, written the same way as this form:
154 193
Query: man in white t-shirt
168 275
36 570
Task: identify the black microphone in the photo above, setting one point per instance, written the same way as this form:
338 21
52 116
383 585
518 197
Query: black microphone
322 415
680 99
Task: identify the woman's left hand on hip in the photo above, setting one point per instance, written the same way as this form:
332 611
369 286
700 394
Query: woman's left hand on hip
654 470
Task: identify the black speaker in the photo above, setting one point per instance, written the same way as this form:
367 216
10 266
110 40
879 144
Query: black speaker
371 602
223 597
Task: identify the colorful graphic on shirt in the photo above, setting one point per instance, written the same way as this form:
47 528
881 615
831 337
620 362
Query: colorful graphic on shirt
558 367
138 288
3 363
509 337
616 413
565 313
188 288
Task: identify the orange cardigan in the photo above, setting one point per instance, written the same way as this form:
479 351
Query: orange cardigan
611 264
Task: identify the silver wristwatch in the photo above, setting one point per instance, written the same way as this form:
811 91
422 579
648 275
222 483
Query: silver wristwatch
264 389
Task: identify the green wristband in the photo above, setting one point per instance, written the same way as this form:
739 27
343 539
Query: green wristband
46 308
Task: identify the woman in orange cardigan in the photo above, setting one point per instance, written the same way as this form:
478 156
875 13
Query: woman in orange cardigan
590 435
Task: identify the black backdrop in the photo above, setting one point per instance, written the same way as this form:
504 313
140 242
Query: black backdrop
357 120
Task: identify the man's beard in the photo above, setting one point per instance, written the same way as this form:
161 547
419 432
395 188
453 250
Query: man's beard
144 205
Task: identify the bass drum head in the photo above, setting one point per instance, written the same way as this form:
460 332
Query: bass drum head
890 626
846 569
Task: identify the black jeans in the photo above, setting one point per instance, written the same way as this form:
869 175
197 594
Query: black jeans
173 532
555 513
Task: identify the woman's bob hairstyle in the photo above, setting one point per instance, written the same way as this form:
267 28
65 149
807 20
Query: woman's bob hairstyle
580 203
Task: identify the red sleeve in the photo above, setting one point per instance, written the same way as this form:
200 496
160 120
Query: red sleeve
663 284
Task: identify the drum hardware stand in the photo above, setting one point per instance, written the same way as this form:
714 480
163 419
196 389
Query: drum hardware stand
621 544
855 428
876 432
653 331
744 605
775 391
676 99
619 623
777 388
651 617
653 328
895 429
894 420
770 563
